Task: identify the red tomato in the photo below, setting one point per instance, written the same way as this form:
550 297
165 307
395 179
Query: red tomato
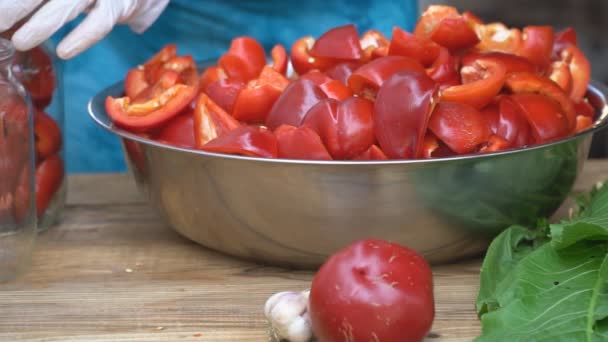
372 290
224 92
402 110
342 71
293 104
35 70
372 153
445 70
303 61
249 141
525 82
244 60
580 70
210 121
22 195
512 124
300 143
253 103
538 45
47 135
512 63
338 43
179 131
49 175
582 123
460 126
366 80
406 44
279 58
371 41
489 78
454 33
545 116
346 127
431 17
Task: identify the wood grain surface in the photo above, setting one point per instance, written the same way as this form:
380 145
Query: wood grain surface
112 271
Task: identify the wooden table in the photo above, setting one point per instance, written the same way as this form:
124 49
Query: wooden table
112 271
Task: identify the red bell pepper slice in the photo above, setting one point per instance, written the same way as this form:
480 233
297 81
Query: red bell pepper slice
489 78
334 89
293 104
406 44
346 128
300 143
454 33
582 123
135 82
537 45
545 116
584 108
210 121
251 141
580 70
495 144
366 80
559 72
371 41
303 61
47 135
512 63
429 145
499 38
512 124
342 71
402 110
460 126
338 43
372 153
431 18
224 92
253 103
279 58
244 60
179 131
563 39
525 82
211 75
153 66
37 75
445 70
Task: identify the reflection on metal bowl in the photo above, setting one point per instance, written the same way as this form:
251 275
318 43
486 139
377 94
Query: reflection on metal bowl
296 213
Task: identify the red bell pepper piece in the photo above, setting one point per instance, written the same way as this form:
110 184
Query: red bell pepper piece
545 116
253 103
293 104
372 153
338 43
244 60
366 80
460 126
490 77
248 141
210 121
300 143
406 44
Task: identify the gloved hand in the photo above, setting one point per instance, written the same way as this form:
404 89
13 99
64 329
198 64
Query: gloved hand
50 17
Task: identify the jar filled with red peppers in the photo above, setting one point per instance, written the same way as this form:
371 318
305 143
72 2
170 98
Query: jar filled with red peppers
39 70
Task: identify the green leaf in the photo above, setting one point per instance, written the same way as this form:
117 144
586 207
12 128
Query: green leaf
552 295
503 254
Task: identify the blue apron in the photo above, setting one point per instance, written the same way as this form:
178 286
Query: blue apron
203 29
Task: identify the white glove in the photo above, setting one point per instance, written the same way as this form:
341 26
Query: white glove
101 18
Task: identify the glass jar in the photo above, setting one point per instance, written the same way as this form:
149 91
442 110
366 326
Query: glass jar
40 72
17 162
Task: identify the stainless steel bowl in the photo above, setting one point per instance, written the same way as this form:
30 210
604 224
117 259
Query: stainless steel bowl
296 213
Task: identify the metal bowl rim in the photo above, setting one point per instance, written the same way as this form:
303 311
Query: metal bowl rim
102 120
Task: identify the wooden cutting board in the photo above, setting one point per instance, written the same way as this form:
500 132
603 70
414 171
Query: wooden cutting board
112 271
